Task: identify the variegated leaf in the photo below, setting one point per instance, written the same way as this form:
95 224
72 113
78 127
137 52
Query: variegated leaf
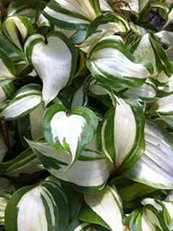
106 205
25 100
54 59
17 27
7 89
146 92
90 172
4 198
25 162
122 134
72 14
103 26
145 52
168 86
47 208
7 69
77 226
163 105
155 168
70 131
112 64
153 216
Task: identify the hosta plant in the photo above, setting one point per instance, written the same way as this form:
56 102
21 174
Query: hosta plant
86 115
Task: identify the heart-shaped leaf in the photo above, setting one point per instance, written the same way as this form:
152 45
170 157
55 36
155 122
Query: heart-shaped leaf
71 131
54 59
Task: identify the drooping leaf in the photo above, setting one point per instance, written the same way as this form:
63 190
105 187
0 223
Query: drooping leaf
54 59
113 65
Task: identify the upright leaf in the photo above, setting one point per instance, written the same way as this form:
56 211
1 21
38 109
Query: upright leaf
107 205
47 208
122 134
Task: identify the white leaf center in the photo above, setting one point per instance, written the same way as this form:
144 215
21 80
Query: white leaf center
68 129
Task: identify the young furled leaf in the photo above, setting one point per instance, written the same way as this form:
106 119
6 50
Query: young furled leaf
72 14
47 208
122 134
107 206
17 28
70 131
54 59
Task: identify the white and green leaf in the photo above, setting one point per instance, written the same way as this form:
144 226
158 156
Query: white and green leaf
47 208
7 69
90 172
146 92
107 206
145 52
122 134
17 28
164 105
103 26
54 59
7 89
72 14
155 168
70 131
153 216
25 100
111 63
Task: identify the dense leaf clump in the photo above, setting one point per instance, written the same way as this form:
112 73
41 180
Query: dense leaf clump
86 115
